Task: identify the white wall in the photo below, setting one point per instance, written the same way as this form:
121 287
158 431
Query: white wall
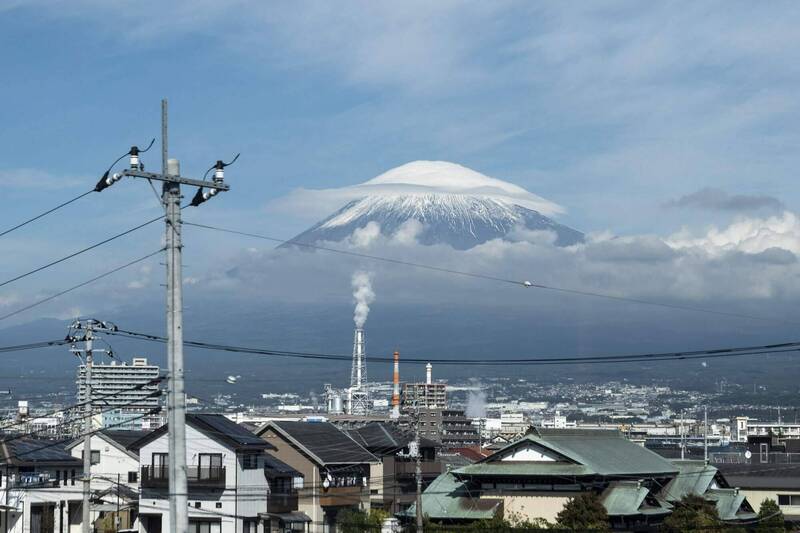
113 462
252 484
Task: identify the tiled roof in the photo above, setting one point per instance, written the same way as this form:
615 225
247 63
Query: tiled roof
600 452
447 498
694 477
326 443
24 450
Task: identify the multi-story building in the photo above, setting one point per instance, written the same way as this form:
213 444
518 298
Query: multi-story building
427 395
40 487
335 468
746 427
226 483
123 395
114 477
392 482
451 427
535 476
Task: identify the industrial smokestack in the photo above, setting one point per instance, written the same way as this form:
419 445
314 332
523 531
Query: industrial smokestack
428 373
396 389
358 375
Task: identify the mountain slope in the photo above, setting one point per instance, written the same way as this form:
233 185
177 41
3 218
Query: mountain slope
453 205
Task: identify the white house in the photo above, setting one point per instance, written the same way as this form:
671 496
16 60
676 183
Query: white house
40 487
114 476
227 486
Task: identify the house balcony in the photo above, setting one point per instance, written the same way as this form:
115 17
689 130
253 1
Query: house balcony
337 496
196 477
282 503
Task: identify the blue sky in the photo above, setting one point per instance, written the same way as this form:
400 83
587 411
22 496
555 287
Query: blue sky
639 119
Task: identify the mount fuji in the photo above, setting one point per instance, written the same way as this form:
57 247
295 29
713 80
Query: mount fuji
439 203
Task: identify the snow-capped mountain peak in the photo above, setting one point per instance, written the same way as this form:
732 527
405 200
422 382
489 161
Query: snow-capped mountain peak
453 204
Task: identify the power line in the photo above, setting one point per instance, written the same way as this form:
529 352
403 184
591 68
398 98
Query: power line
522 283
33 345
79 285
641 357
41 215
79 252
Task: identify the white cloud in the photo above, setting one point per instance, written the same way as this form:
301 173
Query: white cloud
363 237
36 179
748 235
415 178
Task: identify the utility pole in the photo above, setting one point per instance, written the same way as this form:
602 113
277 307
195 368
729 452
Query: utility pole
87 428
705 433
418 471
172 180
683 445
88 327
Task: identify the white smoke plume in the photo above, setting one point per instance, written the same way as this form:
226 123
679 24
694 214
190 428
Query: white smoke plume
363 295
476 404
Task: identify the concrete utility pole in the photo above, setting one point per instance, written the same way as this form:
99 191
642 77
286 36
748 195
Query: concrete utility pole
705 433
418 471
176 399
88 328
87 429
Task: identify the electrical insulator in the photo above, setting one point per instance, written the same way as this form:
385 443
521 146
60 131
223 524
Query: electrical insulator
201 196
134 157
219 172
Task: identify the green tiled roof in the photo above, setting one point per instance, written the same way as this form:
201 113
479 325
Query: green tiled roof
447 499
519 468
694 477
729 504
600 452
623 498
627 498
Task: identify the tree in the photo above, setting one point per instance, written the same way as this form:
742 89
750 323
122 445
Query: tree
355 521
770 518
583 512
693 513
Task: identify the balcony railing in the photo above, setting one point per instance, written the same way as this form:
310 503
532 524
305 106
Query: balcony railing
282 503
34 482
154 477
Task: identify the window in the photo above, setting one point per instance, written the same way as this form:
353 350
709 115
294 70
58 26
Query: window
210 466
133 476
203 526
58 476
95 458
788 499
72 477
250 526
160 465
250 461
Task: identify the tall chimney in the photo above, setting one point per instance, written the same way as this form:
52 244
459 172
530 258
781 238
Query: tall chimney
428 371
396 389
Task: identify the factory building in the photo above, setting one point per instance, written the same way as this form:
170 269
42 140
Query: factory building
426 395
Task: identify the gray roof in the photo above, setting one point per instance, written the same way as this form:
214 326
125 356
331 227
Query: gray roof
382 439
628 498
762 476
24 451
582 452
217 427
124 438
324 442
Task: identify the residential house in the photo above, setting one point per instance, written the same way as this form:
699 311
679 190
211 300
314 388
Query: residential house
536 475
114 477
336 469
227 487
40 487
282 504
393 485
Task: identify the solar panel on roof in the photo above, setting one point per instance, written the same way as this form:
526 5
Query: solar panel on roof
228 428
